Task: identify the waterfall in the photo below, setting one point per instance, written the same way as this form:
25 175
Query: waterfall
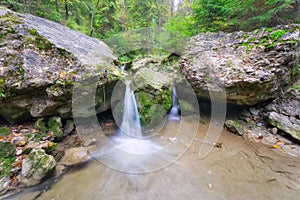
174 112
131 120
123 68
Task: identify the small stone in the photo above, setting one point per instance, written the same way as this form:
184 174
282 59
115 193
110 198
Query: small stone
19 141
75 156
274 130
234 127
259 124
253 111
209 186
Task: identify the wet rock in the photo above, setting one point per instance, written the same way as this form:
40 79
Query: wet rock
55 125
75 156
35 167
253 67
39 67
234 127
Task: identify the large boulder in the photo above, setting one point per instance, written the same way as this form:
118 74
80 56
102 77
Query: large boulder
284 112
252 66
40 62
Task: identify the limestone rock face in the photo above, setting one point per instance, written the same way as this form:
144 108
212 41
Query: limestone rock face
41 61
252 66
284 112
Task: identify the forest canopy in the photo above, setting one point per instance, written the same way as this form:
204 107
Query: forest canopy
104 18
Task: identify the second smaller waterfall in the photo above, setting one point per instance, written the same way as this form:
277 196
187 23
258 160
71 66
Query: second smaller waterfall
174 112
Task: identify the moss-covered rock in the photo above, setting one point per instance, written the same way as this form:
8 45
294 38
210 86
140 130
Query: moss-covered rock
4 131
153 94
40 125
35 167
55 125
7 149
234 127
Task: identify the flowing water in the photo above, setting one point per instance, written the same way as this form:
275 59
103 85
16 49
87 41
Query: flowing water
174 112
240 169
131 125
166 165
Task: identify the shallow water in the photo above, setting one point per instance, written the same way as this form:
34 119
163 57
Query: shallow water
240 169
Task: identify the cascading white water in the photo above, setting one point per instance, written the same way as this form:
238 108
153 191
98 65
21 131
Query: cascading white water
174 112
131 125
123 68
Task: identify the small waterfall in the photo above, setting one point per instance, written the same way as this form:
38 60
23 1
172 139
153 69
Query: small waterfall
123 68
131 120
174 112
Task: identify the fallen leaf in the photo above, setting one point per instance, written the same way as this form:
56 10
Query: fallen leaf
276 146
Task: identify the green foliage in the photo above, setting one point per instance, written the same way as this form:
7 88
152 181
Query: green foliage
296 87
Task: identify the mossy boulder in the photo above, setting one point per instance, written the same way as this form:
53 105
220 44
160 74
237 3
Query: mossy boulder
40 63
35 167
234 127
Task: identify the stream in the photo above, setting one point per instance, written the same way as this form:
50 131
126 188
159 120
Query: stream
236 168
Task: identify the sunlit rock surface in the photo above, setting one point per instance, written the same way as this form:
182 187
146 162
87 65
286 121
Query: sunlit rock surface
252 66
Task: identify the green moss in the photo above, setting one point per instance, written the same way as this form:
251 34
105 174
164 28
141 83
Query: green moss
51 146
277 34
40 125
269 30
269 47
6 165
4 131
32 32
55 125
152 107
296 87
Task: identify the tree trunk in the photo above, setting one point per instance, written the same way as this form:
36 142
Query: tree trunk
67 9
56 5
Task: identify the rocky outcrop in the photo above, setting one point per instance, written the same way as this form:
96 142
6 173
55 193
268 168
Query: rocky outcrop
252 66
40 63
284 112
